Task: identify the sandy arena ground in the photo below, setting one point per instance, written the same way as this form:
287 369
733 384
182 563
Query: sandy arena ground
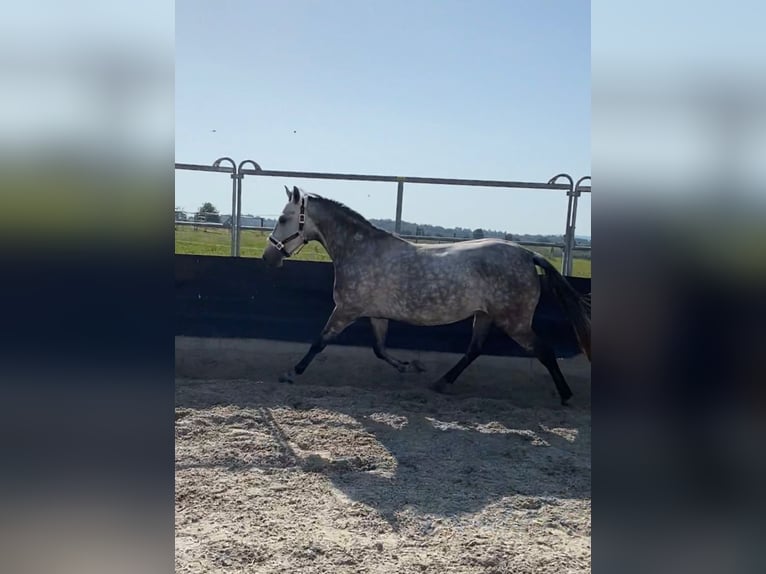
357 468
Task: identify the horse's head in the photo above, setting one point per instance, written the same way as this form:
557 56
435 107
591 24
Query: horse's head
289 234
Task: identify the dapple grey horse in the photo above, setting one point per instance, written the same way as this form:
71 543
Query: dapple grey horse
383 277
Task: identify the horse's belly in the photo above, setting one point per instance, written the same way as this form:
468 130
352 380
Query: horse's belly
435 299
429 313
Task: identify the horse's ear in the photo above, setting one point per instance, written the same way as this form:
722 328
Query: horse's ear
296 194
287 191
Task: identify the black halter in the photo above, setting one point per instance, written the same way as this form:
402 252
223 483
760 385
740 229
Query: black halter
301 223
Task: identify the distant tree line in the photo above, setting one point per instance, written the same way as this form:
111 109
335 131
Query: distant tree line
423 229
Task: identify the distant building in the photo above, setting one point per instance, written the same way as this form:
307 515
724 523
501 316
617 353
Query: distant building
244 221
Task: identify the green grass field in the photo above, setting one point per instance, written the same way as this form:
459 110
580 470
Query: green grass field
211 241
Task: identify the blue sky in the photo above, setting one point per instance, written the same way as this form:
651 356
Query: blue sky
485 90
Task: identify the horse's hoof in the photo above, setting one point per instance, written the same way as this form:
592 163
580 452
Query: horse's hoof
417 366
286 378
411 367
439 386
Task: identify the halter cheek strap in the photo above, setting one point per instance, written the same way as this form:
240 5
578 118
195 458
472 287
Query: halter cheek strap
281 245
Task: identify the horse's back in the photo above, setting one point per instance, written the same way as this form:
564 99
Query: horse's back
504 255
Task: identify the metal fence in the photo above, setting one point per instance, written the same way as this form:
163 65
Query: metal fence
238 172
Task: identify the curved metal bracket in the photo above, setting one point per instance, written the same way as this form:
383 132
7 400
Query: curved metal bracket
577 185
256 167
564 175
217 163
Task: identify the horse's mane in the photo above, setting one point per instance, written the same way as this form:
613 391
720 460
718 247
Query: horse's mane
346 210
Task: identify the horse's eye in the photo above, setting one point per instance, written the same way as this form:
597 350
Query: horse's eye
282 219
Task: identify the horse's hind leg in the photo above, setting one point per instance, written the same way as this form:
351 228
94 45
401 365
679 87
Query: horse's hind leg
380 329
481 325
338 321
544 353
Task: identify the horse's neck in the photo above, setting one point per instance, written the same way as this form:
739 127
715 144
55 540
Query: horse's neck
344 238
342 242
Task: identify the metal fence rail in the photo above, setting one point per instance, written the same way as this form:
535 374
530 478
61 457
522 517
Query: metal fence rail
238 172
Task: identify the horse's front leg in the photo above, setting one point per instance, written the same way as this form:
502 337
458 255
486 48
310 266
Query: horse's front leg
338 321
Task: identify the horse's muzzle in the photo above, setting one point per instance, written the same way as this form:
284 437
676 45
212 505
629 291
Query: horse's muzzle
272 256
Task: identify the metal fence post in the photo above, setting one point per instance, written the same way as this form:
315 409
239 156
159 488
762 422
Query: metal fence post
217 163
236 220
577 193
399 201
240 173
567 251
571 233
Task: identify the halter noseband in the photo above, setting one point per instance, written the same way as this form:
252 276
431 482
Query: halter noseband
280 245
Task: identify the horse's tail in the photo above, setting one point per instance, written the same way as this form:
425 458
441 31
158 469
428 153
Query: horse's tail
576 307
